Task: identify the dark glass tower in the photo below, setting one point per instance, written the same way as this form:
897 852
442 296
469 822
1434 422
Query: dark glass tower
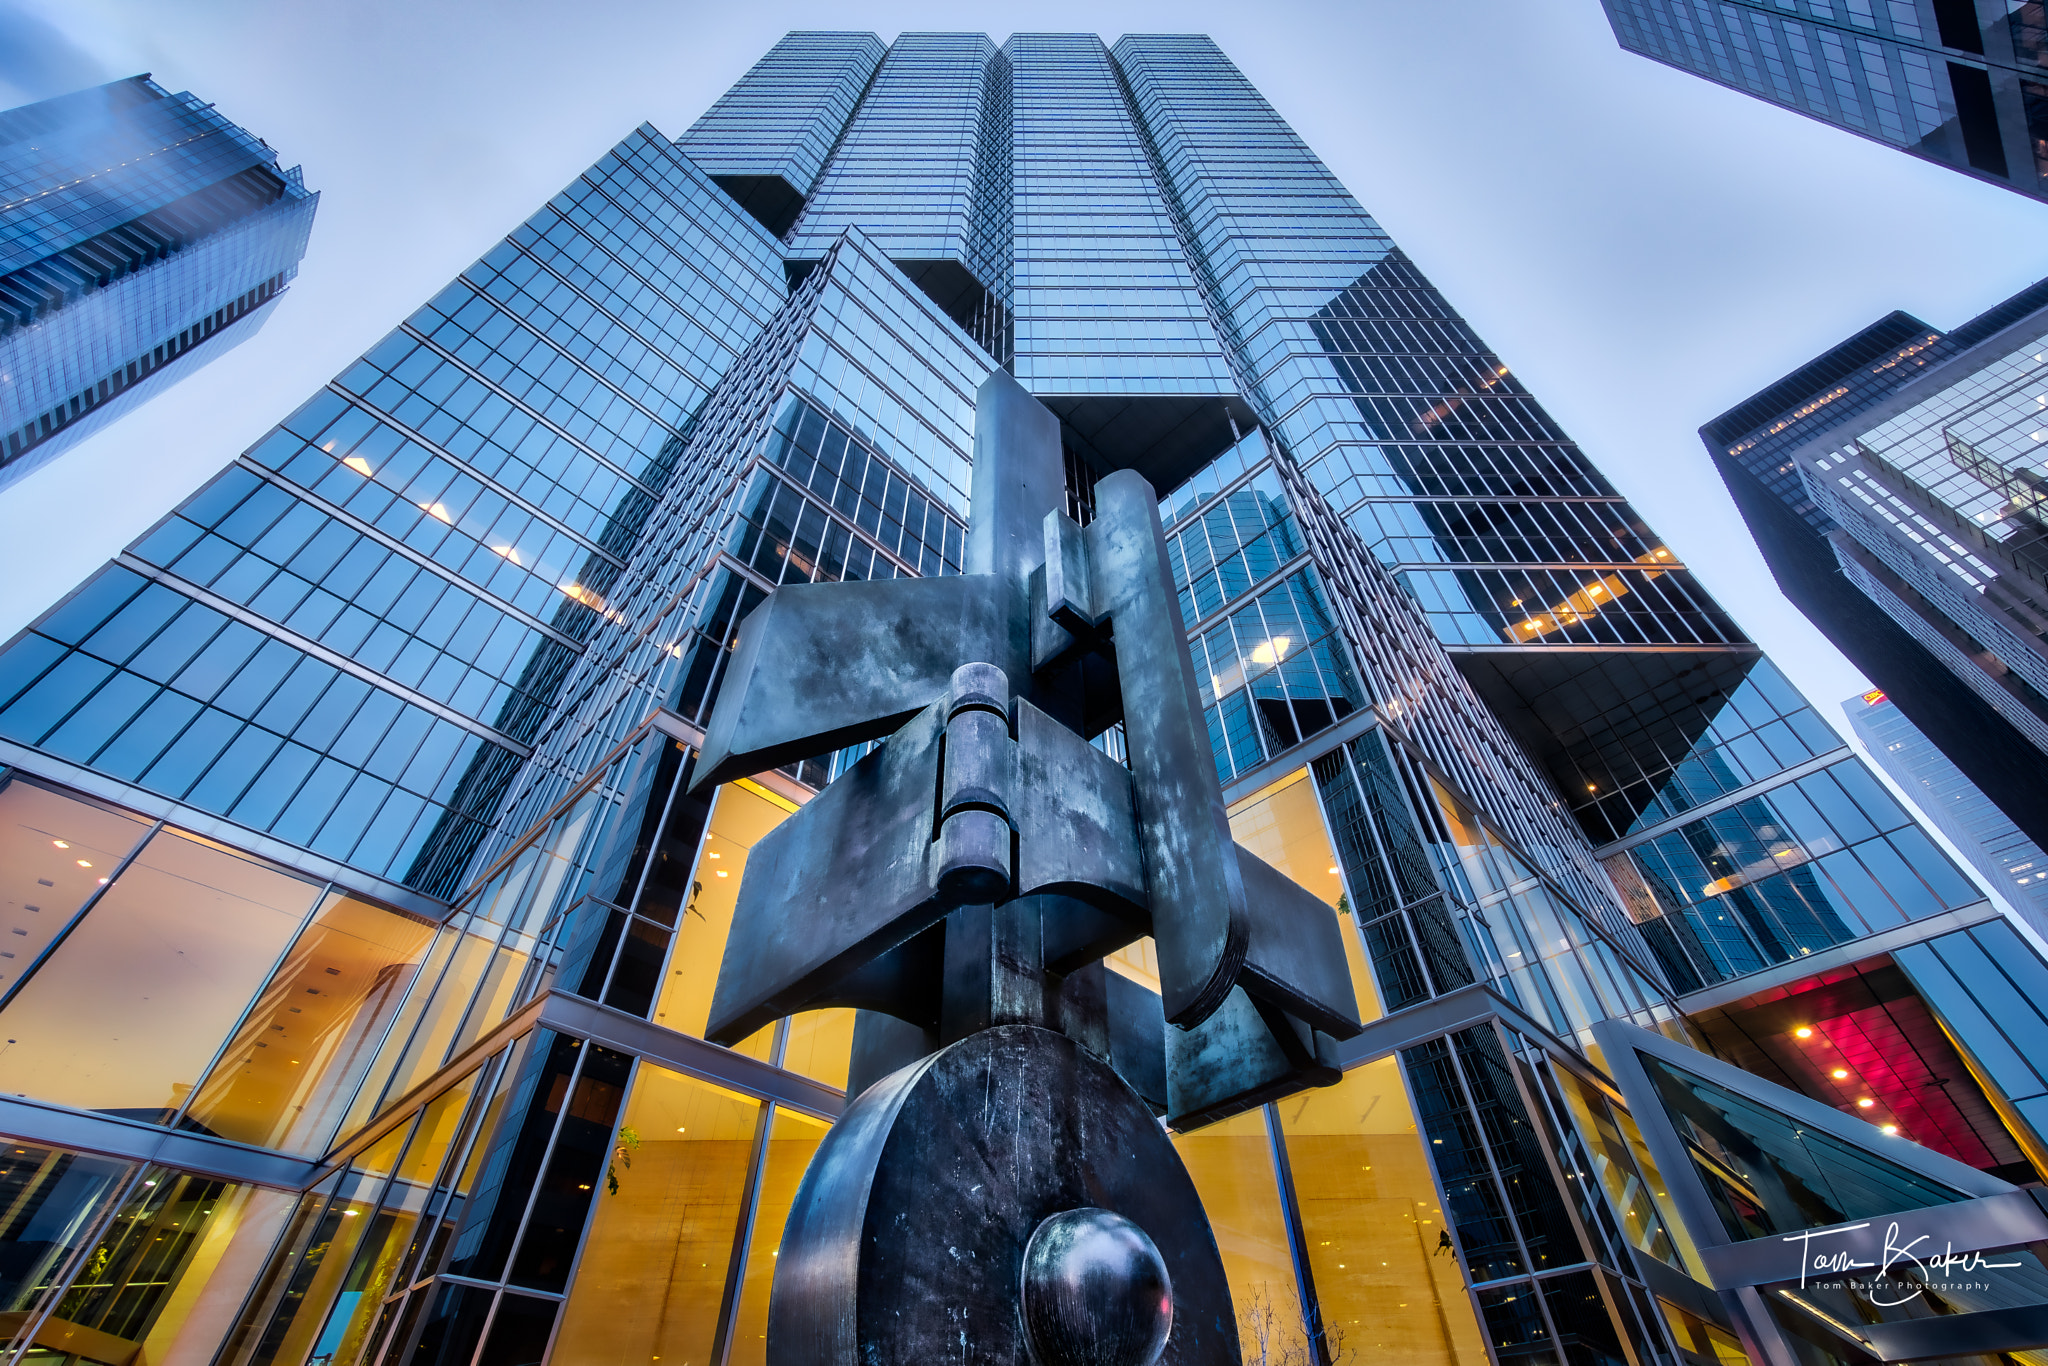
135 226
1948 689
1958 82
364 927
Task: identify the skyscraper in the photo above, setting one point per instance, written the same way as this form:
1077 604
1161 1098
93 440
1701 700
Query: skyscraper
1754 446
368 925
1865 553
135 227
1950 81
2003 856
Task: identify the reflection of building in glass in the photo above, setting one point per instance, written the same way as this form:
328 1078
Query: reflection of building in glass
1953 82
362 930
135 226
2002 856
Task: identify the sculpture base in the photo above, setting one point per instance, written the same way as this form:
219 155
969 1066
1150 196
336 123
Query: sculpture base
905 1245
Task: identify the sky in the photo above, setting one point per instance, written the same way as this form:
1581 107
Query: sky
1644 249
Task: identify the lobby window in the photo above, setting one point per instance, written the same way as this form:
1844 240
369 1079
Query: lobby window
742 815
294 1064
168 1270
1231 1164
1387 1277
56 1203
128 1009
56 853
652 1281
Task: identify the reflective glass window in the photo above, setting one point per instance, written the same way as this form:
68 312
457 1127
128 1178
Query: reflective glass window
127 1012
654 1268
167 1275
294 1064
55 852
1768 1173
1386 1272
55 1201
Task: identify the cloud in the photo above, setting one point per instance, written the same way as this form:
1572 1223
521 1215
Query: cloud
38 60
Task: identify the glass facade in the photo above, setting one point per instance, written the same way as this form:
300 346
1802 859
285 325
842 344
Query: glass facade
1958 84
135 225
1997 850
368 927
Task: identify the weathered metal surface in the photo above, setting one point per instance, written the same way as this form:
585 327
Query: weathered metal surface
1077 830
905 1244
1094 1292
1296 955
1019 476
1244 1055
883 1044
960 886
994 973
820 666
1137 1037
835 886
1197 898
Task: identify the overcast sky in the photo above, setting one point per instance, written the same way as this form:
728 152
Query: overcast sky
1643 248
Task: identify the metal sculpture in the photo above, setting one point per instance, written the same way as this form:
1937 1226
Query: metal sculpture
1000 1190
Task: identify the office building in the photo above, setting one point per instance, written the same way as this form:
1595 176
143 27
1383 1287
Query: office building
1753 446
2005 858
1867 554
362 926
1960 83
137 229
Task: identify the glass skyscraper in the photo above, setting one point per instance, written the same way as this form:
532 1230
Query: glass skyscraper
1867 553
363 926
1962 83
135 226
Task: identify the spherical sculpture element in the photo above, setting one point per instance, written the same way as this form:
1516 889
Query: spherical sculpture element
1095 1292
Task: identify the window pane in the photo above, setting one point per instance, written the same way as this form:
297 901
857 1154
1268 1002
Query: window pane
791 1142
1385 1273
1768 1174
53 853
299 1056
1284 826
391 1231
740 818
820 1045
174 1264
53 1199
1231 1164
131 1007
660 1244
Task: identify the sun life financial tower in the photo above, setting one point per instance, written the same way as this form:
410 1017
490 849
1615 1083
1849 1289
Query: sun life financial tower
361 927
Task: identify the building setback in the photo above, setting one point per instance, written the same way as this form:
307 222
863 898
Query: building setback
136 226
362 927
1961 83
